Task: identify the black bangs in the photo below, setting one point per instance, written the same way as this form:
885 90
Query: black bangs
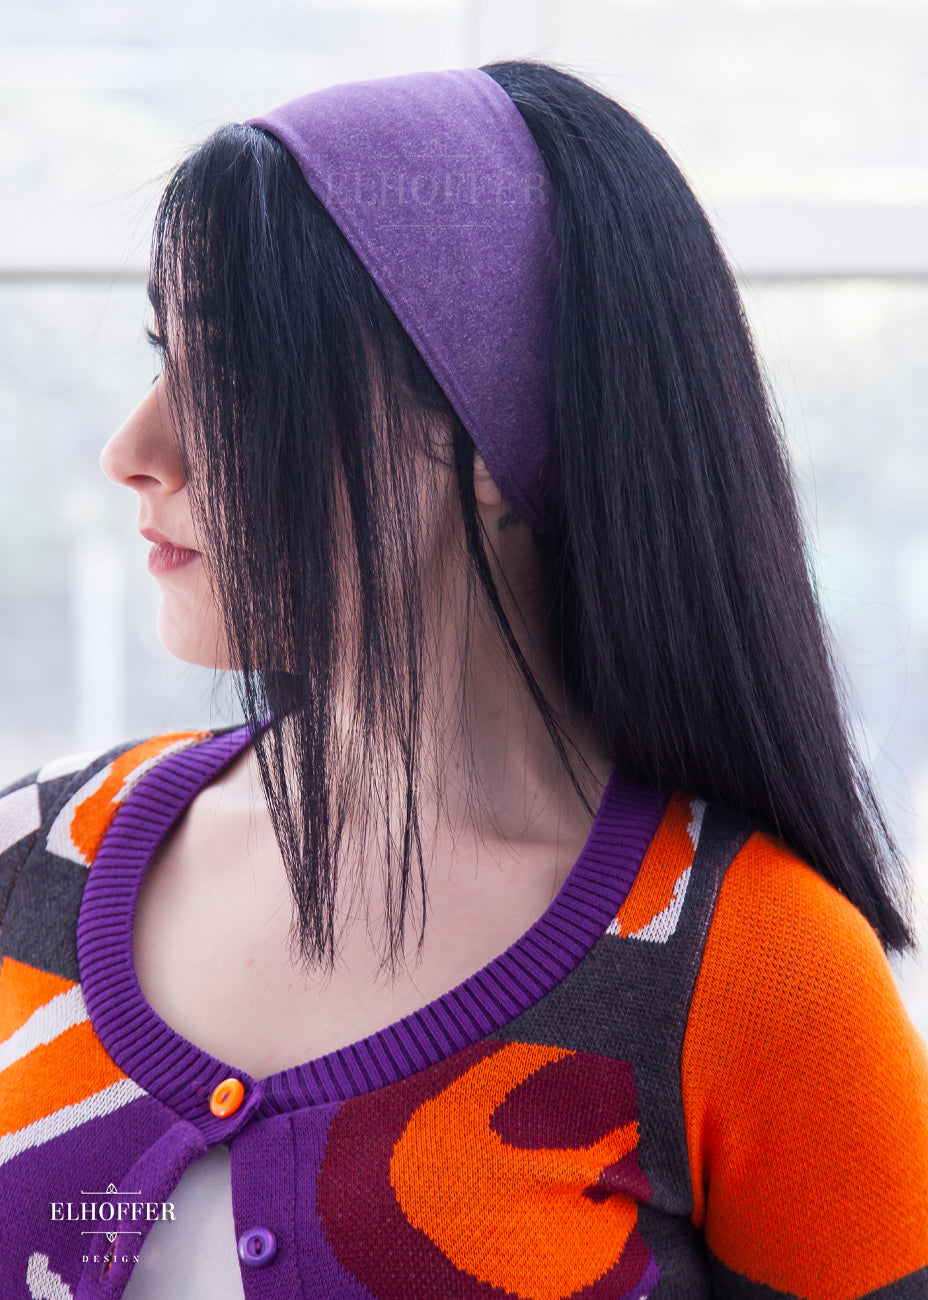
309 425
276 338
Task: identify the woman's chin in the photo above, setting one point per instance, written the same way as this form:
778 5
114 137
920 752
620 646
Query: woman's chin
191 641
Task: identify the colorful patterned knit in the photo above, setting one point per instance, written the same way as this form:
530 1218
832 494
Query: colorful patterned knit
692 1077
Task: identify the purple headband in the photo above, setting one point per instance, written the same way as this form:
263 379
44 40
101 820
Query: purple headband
439 187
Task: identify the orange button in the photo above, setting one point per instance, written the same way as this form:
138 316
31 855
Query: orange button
227 1098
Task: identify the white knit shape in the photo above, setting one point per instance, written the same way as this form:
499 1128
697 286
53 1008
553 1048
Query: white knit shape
44 1025
60 841
662 926
69 1117
664 923
19 815
43 1282
694 827
67 764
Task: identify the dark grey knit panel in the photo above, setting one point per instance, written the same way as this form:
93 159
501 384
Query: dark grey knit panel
630 1000
40 893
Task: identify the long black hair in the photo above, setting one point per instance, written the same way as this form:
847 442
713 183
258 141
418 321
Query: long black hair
682 610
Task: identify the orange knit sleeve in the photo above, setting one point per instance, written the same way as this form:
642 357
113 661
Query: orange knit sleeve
805 1090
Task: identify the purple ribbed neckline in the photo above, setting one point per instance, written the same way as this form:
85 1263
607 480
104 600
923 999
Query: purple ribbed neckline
181 1075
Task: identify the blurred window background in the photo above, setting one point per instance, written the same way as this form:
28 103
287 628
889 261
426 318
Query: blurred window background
802 125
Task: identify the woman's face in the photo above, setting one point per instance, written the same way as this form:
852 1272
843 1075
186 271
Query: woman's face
145 455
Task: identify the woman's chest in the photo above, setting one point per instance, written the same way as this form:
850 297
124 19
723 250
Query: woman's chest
510 1167
214 953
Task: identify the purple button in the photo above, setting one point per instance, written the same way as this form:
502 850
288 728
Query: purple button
257 1247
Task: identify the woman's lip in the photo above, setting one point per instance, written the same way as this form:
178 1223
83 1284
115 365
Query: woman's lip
160 539
165 558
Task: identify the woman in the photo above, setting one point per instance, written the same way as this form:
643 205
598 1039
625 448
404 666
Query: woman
530 938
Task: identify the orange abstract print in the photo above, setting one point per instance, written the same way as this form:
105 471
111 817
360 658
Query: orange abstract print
50 1056
479 1201
23 989
81 825
653 905
35 1086
509 1170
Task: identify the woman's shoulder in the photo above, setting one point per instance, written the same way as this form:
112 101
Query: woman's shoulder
789 966
72 799
783 937
769 911
805 1087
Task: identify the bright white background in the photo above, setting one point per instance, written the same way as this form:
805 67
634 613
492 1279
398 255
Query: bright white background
802 126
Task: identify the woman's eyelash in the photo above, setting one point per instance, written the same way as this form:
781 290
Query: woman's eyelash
155 339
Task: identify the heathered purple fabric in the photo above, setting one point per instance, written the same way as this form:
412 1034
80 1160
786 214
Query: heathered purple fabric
436 182
182 1075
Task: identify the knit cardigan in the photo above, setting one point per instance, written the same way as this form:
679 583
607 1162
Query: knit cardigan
692 1077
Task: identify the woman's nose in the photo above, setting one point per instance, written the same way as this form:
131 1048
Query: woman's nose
144 454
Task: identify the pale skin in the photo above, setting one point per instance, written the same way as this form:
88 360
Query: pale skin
213 921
